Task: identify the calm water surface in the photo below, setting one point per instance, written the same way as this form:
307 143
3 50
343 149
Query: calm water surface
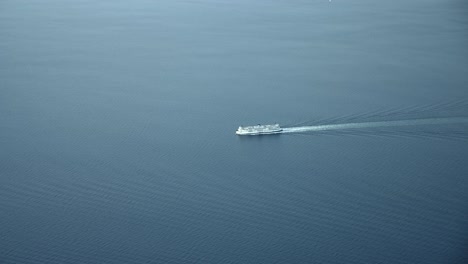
117 124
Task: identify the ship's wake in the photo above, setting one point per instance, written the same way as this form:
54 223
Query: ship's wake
377 124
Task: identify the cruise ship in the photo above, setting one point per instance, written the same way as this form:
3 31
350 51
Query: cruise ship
259 130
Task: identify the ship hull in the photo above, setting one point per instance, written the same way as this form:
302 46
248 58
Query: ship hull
257 133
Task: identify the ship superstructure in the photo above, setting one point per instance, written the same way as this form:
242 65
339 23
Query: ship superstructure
259 130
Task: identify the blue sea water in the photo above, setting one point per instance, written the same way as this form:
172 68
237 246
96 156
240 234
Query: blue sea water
117 123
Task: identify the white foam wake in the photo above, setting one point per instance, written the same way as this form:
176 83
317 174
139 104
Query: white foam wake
413 122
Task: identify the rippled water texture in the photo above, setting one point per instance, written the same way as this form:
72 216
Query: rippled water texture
117 123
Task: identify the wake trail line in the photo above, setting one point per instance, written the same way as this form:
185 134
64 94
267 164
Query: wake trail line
396 123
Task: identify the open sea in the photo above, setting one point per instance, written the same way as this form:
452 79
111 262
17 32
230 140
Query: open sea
117 123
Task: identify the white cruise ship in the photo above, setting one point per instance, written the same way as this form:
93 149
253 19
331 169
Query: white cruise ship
259 130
